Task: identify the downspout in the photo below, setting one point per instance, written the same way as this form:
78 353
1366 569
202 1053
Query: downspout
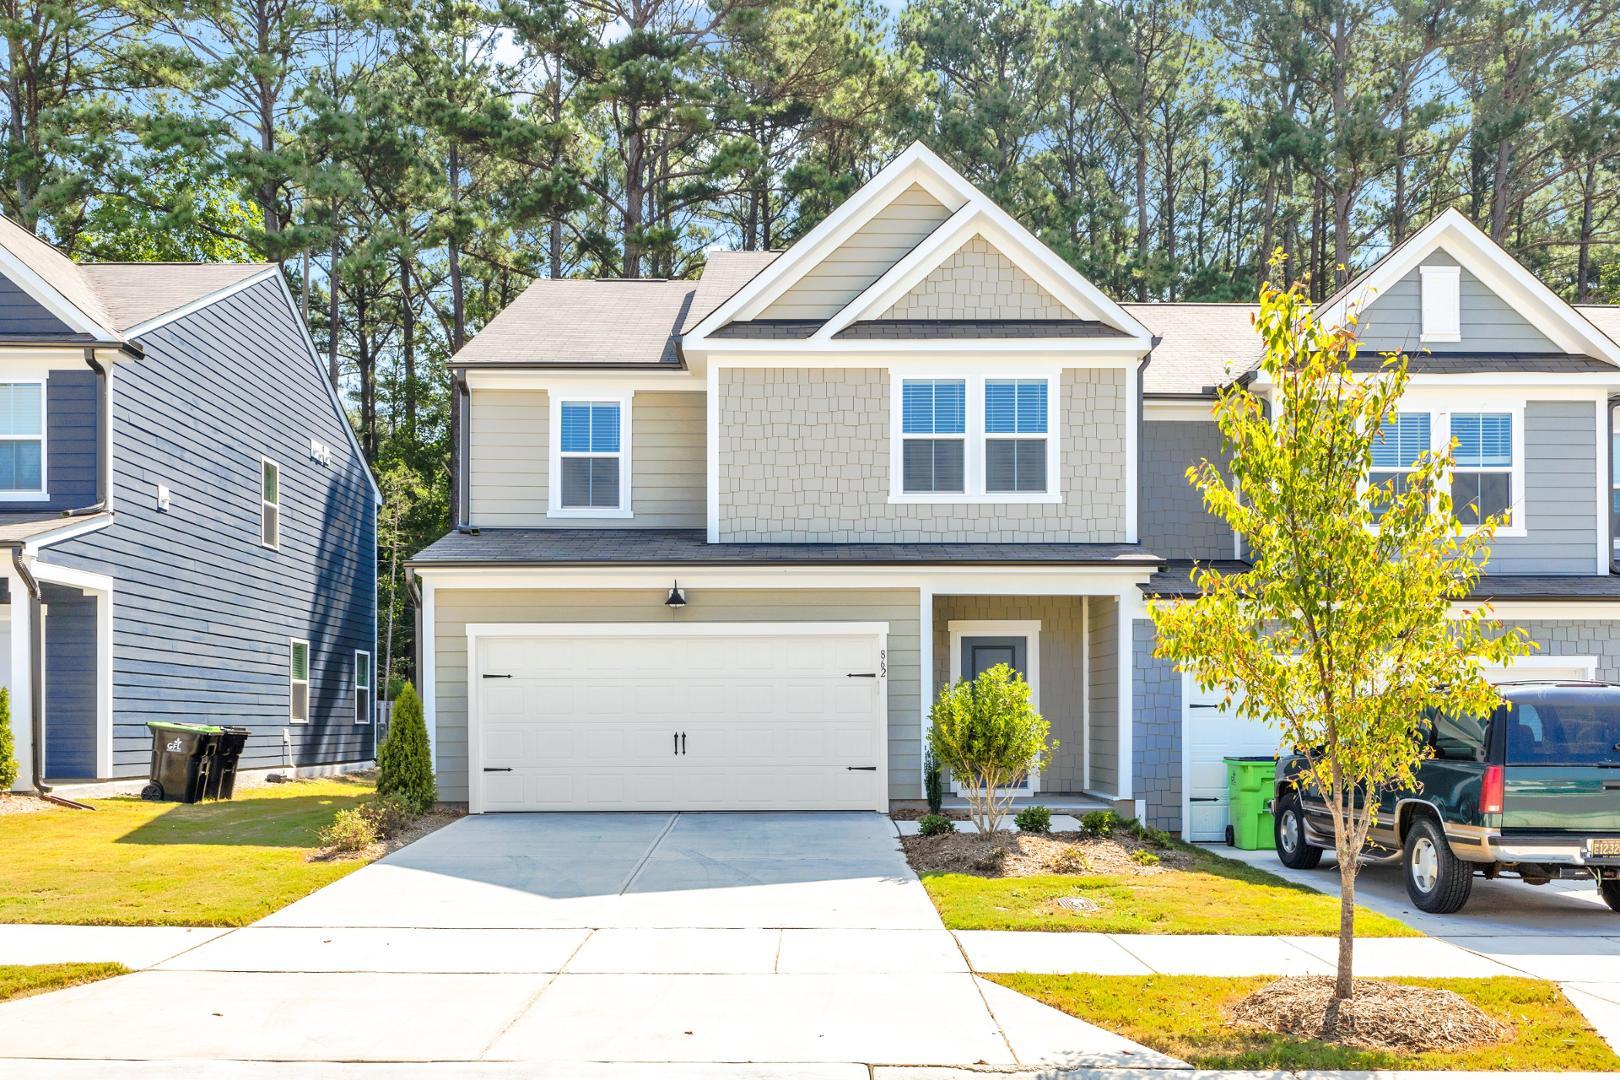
103 439
463 405
36 680
1614 402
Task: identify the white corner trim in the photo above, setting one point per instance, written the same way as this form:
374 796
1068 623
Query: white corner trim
925 673
429 675
624 399
1605 491
1133 452
711 457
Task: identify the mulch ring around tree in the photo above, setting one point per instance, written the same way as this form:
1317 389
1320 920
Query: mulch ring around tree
1379 1016
1031 854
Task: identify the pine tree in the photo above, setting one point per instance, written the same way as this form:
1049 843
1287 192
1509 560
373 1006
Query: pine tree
405 760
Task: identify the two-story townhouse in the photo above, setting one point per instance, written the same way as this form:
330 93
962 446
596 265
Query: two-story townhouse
722 541
188 523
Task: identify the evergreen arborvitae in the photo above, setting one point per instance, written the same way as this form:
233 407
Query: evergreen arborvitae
8 744
404 761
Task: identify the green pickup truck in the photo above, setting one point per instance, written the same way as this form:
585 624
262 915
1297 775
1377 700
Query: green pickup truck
1531 791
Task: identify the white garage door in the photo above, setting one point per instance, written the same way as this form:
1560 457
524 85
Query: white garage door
1212 731
762 718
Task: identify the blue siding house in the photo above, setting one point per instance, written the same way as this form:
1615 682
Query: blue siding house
187 524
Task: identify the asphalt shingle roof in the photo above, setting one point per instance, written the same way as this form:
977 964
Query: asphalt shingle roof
1197 347
658 547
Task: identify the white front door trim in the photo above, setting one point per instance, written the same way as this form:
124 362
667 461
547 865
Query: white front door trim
1030 631
478 631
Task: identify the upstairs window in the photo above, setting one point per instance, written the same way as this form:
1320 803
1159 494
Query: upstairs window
269 503
1442 303
22 439
934 435
590 476
1482 476
1400 442
1015 435
298 682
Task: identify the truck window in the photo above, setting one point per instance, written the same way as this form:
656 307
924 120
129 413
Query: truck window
1563 734
1461 738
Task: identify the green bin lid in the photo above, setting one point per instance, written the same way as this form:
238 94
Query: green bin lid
206 729
1250 760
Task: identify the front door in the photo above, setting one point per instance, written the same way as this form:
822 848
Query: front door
980 654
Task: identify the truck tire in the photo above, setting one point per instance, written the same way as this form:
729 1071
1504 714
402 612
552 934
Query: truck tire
1293 850
1437 881
1610 891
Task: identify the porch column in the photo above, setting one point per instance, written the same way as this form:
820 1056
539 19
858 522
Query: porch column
21 683
925 663
1130 609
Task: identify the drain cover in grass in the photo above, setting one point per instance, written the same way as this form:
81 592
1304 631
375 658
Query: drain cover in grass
1077 903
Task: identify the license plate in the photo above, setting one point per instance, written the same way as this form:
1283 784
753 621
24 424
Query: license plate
1603 847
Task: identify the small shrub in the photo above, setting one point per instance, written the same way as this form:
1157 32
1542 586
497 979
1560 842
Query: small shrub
404 760
1148 834
1034 819
1098 824
933 783
1144 857
8 745
988 734
389 815
1071 860
350 831
935 825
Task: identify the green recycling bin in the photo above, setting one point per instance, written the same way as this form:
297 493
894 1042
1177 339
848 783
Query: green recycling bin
1248 790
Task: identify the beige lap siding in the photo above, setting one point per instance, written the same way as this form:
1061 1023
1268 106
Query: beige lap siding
455 608
509 465
804 457
1062 684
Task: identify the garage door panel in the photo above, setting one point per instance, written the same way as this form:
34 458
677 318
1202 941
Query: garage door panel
1214 730
771 721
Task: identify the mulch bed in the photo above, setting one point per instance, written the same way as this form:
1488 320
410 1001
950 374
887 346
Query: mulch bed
1379 1016
432 821
1030 854
25 804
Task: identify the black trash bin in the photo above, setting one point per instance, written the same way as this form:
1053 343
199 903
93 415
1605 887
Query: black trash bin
182 761
228 751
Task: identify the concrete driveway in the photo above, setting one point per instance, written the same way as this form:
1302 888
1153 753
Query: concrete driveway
759 939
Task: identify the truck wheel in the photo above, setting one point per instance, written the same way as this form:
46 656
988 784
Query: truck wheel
1610 891
1437 881
1293 849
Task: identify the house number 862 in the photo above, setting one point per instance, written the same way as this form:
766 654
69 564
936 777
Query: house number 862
883 663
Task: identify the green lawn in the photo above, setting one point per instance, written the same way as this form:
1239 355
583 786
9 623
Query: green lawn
1183 1016
134 863
1212 896
21 980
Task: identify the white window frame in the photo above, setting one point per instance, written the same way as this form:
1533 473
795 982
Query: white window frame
579 396
1442 402
41 493
370 688
898 454
264 502
974 438
292 682
1440 303
1514 470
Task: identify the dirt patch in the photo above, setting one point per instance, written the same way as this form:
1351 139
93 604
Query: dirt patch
25 804
1030 854
1380 1016
432 821
917 814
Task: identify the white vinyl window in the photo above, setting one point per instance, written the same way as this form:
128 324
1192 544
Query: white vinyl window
590 455
1442 302
1482 466
960 439
298 681
362 687
22 440
269 503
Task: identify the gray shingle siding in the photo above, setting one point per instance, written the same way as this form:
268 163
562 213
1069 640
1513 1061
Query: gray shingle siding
1171 518
203 613
1575 637
22 316
1560 498
70 697
1155 730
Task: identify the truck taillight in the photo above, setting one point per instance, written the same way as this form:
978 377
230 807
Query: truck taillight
1490 790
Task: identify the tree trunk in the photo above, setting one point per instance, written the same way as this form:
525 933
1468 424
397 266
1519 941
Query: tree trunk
407 341
1344 980
332 311
1141 220
1583 268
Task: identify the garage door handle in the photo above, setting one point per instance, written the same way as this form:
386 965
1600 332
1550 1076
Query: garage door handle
1204 798
497 676
488 769
861 675
860 768
1200 706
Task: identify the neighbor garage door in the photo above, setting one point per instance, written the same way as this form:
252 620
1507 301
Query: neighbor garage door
679 718
1213 731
